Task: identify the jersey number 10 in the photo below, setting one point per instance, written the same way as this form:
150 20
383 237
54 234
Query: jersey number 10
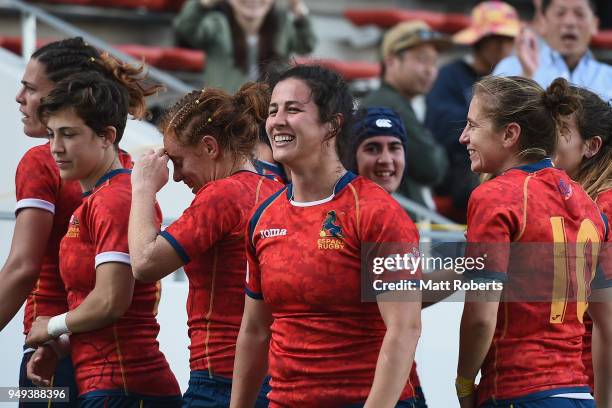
562 268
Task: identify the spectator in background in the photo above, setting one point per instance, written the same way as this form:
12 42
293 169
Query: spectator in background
409 68
491 35
568 28
242 38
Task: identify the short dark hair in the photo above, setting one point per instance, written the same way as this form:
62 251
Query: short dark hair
547 3
99 101
331 94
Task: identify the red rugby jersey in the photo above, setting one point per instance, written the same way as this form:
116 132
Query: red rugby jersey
209 237
38 185
537 346
604 201
124 356
305 263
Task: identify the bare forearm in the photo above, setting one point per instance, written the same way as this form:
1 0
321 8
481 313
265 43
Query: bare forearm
393 367
143 230
602 352
18 279
474 343
250 368
94 313
602 366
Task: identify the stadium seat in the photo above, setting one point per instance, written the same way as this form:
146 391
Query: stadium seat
350 70
152 5
388 17
167 58
603 39
447 23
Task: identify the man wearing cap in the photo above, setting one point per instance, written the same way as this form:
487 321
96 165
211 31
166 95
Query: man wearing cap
494 25
409 68
568 26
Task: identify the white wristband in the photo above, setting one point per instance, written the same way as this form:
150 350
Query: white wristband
57 325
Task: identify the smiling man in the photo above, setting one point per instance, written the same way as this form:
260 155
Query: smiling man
568 28
409 58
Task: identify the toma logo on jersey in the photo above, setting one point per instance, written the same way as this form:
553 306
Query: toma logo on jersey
331 233
273 232
73 227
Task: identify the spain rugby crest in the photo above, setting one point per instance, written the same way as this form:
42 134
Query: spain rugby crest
331 236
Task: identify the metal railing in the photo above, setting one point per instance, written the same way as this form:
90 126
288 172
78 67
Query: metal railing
31 14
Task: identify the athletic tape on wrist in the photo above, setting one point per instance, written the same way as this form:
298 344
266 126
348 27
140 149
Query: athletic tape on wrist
57 326
464 386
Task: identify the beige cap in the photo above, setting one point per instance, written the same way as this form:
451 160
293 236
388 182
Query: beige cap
409 34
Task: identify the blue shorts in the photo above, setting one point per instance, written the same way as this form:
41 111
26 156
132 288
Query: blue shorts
550 402
117 399
64 377
417 402
215 392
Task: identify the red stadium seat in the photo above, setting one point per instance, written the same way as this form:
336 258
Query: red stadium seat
152 5
602 39
13 44
167 58
447 23
388 17
350 70
456 22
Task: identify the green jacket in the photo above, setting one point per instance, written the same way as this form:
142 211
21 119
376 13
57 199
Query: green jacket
209 30
426 161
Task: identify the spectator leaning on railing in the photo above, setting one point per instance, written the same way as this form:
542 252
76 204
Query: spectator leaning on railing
242 40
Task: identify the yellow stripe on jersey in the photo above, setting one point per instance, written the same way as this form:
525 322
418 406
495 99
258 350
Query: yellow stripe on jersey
125 387
357 212
524 220
560 282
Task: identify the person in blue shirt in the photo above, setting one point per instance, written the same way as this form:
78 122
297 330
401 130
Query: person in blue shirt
491 35
568 28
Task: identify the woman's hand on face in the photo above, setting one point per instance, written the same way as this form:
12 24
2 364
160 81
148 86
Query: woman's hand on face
150 172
